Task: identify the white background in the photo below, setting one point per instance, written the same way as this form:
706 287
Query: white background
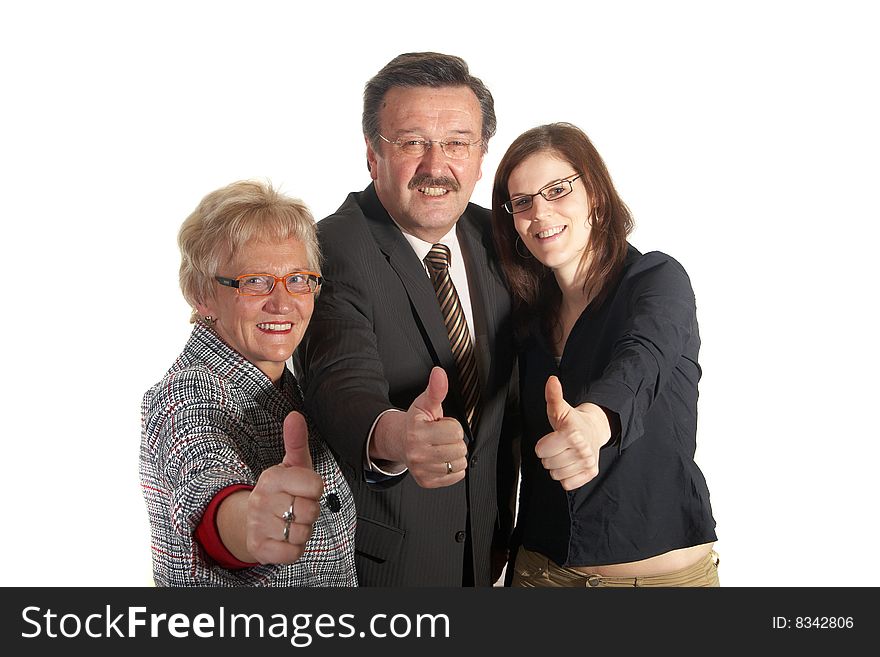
744 137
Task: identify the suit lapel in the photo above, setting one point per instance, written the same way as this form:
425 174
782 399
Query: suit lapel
483 294
411 272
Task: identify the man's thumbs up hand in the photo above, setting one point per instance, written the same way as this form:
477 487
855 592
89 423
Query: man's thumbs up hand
434 449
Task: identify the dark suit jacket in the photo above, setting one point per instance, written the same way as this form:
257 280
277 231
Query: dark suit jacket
375 335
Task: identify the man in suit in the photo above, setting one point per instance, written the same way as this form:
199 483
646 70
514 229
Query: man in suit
419 445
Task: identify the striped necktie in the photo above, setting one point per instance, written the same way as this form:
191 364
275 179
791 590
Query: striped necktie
456 326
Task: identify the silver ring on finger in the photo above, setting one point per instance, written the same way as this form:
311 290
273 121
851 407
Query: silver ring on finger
288 517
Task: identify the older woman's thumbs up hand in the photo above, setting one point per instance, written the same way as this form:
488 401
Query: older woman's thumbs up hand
285 503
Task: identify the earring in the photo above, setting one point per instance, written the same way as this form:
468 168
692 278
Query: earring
209 320
592 220
516 248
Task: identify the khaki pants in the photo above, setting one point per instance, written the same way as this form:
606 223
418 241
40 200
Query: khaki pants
534 570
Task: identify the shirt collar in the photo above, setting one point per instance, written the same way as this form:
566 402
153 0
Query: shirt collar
421 247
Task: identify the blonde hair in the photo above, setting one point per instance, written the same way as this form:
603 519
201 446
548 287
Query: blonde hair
228 218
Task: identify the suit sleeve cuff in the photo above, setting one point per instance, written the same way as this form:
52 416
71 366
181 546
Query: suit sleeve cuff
375 473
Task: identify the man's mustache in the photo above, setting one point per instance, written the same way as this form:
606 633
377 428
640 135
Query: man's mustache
424 180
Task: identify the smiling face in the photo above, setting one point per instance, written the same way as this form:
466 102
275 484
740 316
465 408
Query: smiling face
557 232
426 195
263 329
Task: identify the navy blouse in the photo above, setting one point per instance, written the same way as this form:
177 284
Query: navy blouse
636 356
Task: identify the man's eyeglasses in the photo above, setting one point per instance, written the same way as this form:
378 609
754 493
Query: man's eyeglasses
260 285
551 192
454 149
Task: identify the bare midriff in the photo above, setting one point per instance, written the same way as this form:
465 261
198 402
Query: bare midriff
661 564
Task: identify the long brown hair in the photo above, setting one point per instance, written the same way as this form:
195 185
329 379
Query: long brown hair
533 285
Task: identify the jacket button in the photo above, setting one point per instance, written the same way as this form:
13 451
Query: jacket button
333 502
459 537
473 461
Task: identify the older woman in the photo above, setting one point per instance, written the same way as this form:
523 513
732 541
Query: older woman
238 492
611 495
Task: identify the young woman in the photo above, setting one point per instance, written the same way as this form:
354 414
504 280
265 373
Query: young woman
611 495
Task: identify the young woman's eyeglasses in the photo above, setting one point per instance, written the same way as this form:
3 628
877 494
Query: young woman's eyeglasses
552 192
454 149
260 285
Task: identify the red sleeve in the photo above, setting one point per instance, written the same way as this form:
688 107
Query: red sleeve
209 537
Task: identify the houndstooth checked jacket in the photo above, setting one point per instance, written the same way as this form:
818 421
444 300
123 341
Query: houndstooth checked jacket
215 420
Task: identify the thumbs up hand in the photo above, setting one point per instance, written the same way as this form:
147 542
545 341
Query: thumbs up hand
296 442
571 452
433 445
285 503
